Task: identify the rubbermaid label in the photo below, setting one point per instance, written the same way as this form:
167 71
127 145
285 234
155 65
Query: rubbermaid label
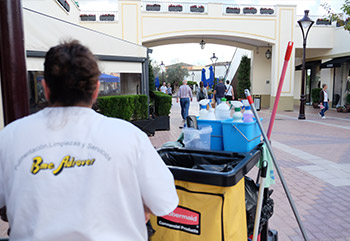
183 219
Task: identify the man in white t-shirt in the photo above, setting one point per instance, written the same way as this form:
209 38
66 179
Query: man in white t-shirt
69 173
164 89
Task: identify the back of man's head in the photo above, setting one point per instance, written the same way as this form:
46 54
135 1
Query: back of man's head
71 74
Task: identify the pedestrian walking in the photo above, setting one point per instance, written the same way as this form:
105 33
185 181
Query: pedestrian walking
69 173
164 89
185 96
202 92
170 90
219 91
229 95
324 101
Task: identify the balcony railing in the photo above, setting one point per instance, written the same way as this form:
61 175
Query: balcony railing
171 7
98 16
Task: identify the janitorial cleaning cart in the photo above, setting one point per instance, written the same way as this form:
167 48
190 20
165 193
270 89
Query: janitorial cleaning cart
211 190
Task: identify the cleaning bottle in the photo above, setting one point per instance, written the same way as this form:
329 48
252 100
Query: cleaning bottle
222 111
203 112
247 114
211 114
237 116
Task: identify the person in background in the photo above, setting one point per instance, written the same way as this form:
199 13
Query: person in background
163 88
219 92
229 95
170 90
202 92
185 96
324 101
69 173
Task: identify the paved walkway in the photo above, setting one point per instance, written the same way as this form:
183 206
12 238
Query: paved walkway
314 156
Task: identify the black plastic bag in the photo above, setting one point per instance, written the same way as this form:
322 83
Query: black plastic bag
251 199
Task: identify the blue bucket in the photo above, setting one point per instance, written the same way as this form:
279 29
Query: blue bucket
240 136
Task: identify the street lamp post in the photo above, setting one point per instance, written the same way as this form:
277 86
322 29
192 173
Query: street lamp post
162 70
305 24
213 60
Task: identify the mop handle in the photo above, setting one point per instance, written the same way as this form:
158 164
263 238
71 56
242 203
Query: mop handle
260 201
267 142
279 90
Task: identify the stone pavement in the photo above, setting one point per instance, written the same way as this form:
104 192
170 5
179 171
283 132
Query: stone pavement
314 157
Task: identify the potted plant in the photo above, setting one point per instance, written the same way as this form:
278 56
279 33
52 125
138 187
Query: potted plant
107 17
315 96
323 21
266 11
347 101
175 8
87 17
198 9
153 7
234 10
250 10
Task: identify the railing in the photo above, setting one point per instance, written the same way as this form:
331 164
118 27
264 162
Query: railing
98 16
171 7
234 9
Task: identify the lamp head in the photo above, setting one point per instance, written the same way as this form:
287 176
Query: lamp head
202 44
305 22
214 58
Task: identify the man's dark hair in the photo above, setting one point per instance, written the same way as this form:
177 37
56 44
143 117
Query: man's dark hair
227 81
324 85
71 73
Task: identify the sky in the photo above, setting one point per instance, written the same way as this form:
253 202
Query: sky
176 53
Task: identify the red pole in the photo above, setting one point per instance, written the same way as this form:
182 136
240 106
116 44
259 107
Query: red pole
279 90
12 61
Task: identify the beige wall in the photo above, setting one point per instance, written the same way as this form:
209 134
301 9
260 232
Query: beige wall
261 73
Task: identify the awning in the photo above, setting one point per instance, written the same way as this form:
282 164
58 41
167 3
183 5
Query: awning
108 78
308 65
42 32
336 62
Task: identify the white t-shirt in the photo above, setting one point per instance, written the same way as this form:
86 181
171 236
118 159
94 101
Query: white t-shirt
68 173
229 90
163 89
325 99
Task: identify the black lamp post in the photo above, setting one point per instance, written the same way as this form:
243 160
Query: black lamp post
305 24
162 70
213 60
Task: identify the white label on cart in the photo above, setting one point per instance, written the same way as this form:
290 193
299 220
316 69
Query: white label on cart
183 219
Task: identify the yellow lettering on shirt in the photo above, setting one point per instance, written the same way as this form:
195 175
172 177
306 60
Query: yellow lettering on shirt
67 162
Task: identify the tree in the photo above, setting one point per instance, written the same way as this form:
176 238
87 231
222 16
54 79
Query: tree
338 17
151 83
243 76
157 71
175 74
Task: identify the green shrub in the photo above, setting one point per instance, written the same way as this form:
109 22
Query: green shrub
347 100
191 83
315 95
162 103
126 107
